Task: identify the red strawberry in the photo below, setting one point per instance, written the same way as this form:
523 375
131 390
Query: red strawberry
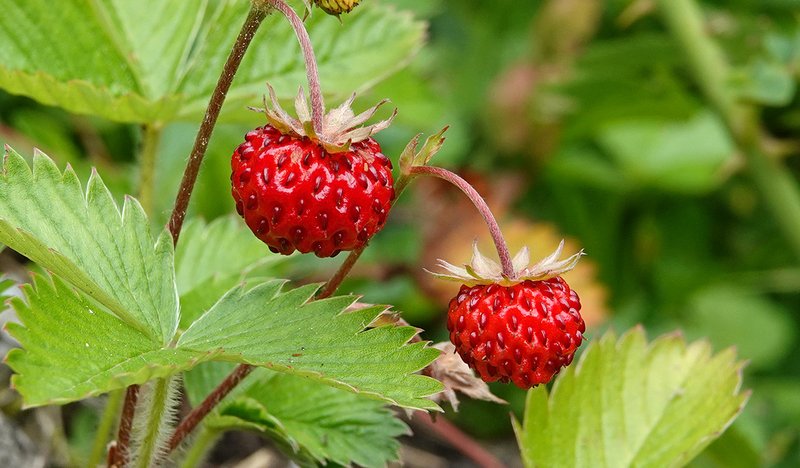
522 330
298 190
523 333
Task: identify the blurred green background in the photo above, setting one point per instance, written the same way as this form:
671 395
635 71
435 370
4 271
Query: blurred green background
576 119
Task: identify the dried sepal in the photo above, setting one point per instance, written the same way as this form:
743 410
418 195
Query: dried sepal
484 270
455 374
341 127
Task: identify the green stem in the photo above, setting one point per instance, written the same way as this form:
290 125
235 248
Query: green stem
107 421
200 446
160 401
710 69
151 137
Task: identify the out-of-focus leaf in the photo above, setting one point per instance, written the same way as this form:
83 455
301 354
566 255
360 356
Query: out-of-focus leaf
682 156
732 450
766 83
729 315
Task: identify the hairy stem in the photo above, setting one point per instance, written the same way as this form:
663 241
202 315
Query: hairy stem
483 208
104 428
151 137
160 401
200 411
317 104
249 28
778 187
118 453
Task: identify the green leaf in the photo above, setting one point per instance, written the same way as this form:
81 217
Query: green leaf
729 314
143 68
110 256
680 156
313 422
766 82
630 403
212 258
72 349
318 340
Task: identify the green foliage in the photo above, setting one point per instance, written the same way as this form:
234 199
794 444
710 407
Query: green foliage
285 332
154 70
212 258
313 423
111 257
73 349
630 403
681 157
99 338
734 316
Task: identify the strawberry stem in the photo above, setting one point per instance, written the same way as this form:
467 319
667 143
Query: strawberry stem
483 208
254 18
314 88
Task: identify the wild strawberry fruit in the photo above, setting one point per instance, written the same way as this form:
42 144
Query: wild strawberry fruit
337 7
522 330
313 192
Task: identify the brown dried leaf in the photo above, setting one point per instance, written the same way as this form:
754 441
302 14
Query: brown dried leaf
456 376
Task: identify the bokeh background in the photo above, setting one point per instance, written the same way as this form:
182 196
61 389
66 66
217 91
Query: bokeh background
576 119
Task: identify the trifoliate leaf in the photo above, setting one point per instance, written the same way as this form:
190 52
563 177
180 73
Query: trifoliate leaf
630 403
314 423
212 258
109 255
142 68
73 349
287 333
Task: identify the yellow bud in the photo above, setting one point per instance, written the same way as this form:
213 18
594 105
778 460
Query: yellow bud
336 7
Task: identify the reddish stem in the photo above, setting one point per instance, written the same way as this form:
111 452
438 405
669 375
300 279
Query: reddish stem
249 28
483 208
459 440
118 453
200 411
314 88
